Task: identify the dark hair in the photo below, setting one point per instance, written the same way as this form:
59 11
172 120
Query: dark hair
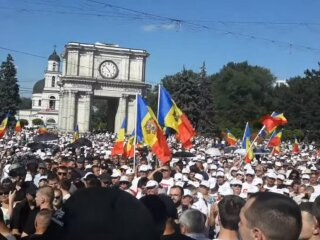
142 182
94 182
306 207
229 211
65 184
52 176
178 187
157 176
316 209
274 214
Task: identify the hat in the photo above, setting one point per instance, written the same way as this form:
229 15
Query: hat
43 178
88 175
272 175
124 179
252 189
205 184
236 182
185 170
198 176
305 176
115 173
187 192
220 174
125 167
233 169
178 177
250 171
257 181
213 167
129 171
42 165
224 191
281 177
240 173
152 184
143 168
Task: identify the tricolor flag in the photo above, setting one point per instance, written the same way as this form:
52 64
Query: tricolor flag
231 140
3 127
295 147
129 146
246 144
42 130
271 122
118 145
150 132
172 117
275 139
76 133
18 126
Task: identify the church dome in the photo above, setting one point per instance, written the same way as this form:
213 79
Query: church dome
38 87
54 57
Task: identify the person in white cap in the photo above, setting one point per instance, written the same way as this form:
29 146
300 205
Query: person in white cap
249 181
124 183
236 186
152 187
271 179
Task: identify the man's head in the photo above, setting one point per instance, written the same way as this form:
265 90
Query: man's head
44 197
309 227
176 193
192 221
229 210
42 221
57 199
270 216
62 172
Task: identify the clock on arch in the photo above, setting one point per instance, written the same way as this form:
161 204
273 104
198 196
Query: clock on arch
108 69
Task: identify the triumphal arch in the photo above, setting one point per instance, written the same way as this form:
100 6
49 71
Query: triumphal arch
103 71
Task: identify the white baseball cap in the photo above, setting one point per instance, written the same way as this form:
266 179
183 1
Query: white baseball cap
152 184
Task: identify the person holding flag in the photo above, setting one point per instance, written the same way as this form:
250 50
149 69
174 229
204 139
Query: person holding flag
129 146
246 143
3 127
76 133
171 116
118 147
18 127
231 140
150 132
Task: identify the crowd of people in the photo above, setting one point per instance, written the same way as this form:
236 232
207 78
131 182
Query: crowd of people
68 191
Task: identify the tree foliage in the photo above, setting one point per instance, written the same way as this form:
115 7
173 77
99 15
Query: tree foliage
26 103
9 88
37 121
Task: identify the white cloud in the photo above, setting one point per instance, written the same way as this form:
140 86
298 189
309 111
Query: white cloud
170 26
155 27
150 27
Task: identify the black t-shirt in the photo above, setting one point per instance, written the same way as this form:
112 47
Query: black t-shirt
19 215
175 236
29 224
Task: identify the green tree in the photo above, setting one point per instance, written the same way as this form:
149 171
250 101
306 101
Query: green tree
152 98
25 103
37 121
9 88
242 93
24 122
184 89
206 119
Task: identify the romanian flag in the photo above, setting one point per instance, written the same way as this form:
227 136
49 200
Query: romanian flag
150 132
129 147
118 145
3 127
271 122
295 147
18 126
230 138
246 144
172 117
76 133
275 139
275 150
42 130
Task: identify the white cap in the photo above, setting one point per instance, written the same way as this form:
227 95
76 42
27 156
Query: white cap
305 176
236 182
187 192
271 175
124 179
152 184
281 177
205 184
257 181
220 174
224 191
278 164
186 170
125 167
178 177
87 174
179 183
143 168
115 173
213 167
240 173
129 171
250 171
252 189
198 176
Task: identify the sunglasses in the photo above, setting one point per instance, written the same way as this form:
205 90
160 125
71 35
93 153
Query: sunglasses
57 197
62 173
237 185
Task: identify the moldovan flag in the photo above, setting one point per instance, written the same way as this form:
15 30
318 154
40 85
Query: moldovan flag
295 148
246 144
275 139
271 122
118 147
129 147
3 127
230 138
76 133
18 126
42 130
275 150
171 116
150 132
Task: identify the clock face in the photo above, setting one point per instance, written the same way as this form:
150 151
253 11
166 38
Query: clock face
108 69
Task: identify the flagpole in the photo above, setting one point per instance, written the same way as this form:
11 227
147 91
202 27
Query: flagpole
244 133
135 136
157 161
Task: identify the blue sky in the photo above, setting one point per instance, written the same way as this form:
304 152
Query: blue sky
281 35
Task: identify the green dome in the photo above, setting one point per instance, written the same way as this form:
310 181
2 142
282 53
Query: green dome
54 57
38 87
